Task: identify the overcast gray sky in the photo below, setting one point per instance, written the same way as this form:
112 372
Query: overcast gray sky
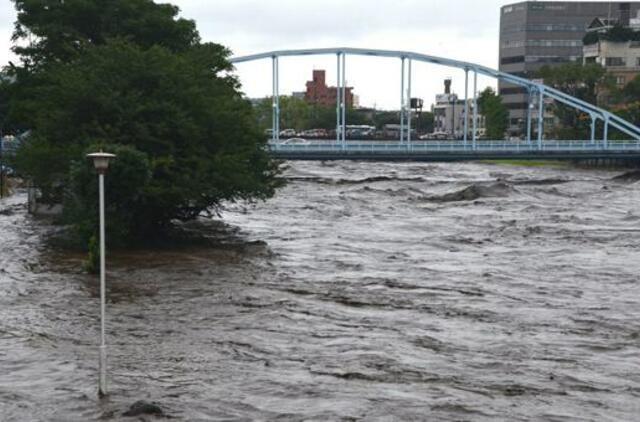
460 29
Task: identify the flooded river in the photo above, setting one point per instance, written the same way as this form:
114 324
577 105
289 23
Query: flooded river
362 292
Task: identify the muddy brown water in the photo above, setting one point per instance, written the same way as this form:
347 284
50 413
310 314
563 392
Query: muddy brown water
363 291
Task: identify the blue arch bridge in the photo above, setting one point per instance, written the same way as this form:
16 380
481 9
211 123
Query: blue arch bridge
598 146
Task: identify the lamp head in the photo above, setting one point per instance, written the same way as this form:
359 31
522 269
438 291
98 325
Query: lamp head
101 160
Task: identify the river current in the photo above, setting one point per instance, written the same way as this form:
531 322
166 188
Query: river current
361 292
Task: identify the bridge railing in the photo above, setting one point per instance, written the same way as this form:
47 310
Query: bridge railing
453 147
457 146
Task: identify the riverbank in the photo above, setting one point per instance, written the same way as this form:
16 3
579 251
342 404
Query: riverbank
587 164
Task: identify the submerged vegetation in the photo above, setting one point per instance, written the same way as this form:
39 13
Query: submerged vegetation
132 78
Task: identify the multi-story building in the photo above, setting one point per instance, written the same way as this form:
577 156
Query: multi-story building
538 33
619 54
449 115
621 59
320 94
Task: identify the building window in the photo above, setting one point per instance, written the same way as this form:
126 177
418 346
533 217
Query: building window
507 9
614 61
559 27
542 43
512 59
638 61
512 44
551 59
516 106
554 43
620 80
512 91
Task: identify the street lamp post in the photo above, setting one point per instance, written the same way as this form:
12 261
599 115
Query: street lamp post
1 166
101 163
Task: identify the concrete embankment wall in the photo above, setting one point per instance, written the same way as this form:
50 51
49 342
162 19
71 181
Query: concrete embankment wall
608 163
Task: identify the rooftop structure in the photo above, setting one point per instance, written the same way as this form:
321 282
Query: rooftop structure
617 50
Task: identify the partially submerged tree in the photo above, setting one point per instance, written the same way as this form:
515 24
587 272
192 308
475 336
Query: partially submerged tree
130 74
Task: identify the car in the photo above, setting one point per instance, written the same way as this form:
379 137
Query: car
308 133
295 141
288 132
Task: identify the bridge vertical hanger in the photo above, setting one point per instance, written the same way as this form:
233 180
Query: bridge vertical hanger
273 99
594 120
408 104
605 138
475 108
528 134
540 118
275 118
466 106
344 100
338 102
402 103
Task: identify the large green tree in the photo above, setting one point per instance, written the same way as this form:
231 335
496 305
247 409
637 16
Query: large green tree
5 95
60 30
131 74
627 102
495 113
581 81
296 113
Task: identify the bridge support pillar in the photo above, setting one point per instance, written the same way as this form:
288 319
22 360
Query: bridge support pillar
466 106
529 116
408 105
275 122
402 101
344 101
475 109
605 138
594 120
540 119
338 101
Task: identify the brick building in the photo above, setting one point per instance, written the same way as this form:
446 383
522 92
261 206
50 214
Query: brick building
319 93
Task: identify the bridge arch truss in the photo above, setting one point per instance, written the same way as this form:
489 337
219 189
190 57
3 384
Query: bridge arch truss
536 90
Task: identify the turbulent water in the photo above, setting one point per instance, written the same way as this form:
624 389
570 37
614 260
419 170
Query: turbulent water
363 291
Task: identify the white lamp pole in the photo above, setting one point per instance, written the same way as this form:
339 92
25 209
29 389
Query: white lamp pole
101 163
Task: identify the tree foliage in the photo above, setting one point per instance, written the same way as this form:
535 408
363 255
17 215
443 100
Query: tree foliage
581 81
296 113
5 95
56 30
576 79
495 113
617 33
129 75
627 102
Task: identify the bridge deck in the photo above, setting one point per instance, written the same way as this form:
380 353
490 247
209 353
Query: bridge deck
457 150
